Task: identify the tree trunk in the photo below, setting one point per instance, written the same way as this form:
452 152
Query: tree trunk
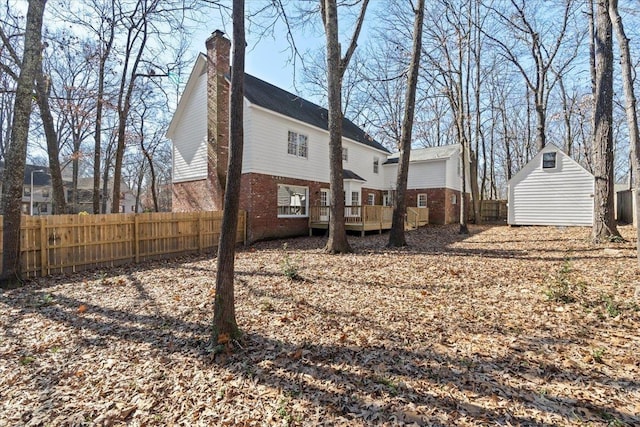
225 327
604 225
97 147
337 242
396 235
17 152
59 203
632 116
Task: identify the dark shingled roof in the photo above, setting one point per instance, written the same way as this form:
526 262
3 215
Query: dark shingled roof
347 174
39 178
280 101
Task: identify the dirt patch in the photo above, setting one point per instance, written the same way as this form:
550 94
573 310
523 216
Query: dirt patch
529 326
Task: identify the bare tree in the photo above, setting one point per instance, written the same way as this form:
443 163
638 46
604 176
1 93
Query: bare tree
51 136
336 66
604 223
17 153
630 108
396 235
544 54
225 326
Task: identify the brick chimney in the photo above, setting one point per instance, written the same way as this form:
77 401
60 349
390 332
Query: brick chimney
218 64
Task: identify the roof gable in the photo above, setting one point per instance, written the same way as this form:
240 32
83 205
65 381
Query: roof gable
272 98
536 162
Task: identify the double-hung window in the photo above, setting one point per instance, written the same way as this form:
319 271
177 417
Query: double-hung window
345 154
376 164
298 145
422 200
293 200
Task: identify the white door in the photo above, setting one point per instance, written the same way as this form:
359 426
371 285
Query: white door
325 201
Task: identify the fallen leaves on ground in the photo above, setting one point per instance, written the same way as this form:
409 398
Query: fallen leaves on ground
510 326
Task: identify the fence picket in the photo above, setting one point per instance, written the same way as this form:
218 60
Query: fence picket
69 243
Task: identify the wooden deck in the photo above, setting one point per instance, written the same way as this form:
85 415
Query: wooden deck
366 218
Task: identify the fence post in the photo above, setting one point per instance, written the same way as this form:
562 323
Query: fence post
44 248
136 238
200 233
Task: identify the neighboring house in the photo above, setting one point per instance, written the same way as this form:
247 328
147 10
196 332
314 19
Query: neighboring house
42 196
285 168
552 189
127 200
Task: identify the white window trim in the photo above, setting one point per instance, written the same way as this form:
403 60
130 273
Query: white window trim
345 154
371 199
376 164
306 215
298 144
425 200
555 161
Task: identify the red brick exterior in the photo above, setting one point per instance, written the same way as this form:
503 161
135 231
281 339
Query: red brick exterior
192 196
259 198
218 64
440 201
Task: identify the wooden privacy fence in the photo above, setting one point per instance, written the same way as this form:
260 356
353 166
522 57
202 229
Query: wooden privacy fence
493 210
70 243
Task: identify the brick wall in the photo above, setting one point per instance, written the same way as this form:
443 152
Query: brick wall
442 210
259 199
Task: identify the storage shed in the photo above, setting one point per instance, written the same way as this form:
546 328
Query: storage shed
552 189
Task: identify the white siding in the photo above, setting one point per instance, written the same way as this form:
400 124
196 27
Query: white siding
453 177
562 196
265 149
429 174
190 137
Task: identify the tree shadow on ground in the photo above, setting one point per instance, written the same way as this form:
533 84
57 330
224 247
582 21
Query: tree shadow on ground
363 384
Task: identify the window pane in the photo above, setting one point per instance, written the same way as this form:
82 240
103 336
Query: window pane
345 154
422 200
376 164
302 146
292 200
293 148
549 160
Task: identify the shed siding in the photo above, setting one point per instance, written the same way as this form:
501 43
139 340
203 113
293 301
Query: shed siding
561 197
190 137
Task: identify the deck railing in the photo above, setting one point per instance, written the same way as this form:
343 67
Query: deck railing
353 214
417 217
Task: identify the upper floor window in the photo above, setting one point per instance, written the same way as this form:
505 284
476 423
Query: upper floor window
376 164
345 154
298 145
549 160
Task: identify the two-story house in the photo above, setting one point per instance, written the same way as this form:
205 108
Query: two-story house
285 168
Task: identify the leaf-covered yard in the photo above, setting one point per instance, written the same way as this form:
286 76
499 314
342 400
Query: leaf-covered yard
528 326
